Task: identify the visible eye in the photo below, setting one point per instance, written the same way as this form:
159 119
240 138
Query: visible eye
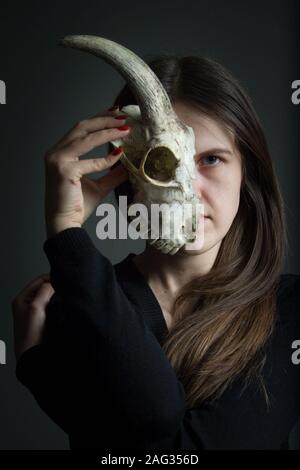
211 159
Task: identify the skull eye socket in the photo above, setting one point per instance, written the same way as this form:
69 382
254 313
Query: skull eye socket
134 156
161 164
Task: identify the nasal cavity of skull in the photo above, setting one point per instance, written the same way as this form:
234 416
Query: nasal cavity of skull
161 164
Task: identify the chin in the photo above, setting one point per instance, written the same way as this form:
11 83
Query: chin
184 251
199 249
189 252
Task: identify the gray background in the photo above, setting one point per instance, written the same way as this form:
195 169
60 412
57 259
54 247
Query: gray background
49 88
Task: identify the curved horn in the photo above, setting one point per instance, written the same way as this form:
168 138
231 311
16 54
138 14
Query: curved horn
155 105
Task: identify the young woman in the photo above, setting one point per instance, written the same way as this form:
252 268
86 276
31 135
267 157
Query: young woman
185 351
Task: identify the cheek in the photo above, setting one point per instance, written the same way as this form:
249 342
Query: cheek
222 197
226 199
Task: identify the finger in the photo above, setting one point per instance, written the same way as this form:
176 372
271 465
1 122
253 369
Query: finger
111 180
79 147
65 138
102 122
93 124
92 165
108 112
45 292
33 285
97 189
43 295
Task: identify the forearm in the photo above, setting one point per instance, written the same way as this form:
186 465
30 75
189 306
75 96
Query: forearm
113 337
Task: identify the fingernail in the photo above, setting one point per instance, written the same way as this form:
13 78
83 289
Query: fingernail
124 128
121 117
117 151
114 108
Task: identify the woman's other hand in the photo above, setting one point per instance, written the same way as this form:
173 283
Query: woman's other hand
29 307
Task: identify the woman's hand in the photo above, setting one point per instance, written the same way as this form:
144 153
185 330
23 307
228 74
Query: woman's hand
70 196
29 315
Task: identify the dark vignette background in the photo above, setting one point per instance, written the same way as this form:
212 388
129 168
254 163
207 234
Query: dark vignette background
49 88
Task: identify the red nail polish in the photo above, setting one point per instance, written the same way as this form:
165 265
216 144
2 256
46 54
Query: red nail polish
124 128
121 117
117 151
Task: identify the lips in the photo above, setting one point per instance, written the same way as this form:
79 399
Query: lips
205 216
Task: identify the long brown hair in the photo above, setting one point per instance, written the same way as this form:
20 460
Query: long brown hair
222 320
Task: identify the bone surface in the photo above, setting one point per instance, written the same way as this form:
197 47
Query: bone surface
159 150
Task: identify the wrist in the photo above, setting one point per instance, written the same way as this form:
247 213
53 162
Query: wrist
54 228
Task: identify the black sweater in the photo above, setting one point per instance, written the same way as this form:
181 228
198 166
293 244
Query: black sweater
103 377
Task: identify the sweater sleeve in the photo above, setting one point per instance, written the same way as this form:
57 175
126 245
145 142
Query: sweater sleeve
112 338
43 371
112 377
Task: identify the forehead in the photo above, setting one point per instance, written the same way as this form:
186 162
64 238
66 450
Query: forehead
208 131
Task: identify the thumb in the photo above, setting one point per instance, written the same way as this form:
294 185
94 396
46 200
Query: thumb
43 294
111 180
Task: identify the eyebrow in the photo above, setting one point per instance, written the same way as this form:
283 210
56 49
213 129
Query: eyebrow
215 150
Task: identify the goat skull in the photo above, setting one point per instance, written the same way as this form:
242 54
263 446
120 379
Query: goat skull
159 150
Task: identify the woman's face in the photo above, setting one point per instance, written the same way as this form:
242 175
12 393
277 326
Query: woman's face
219 175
